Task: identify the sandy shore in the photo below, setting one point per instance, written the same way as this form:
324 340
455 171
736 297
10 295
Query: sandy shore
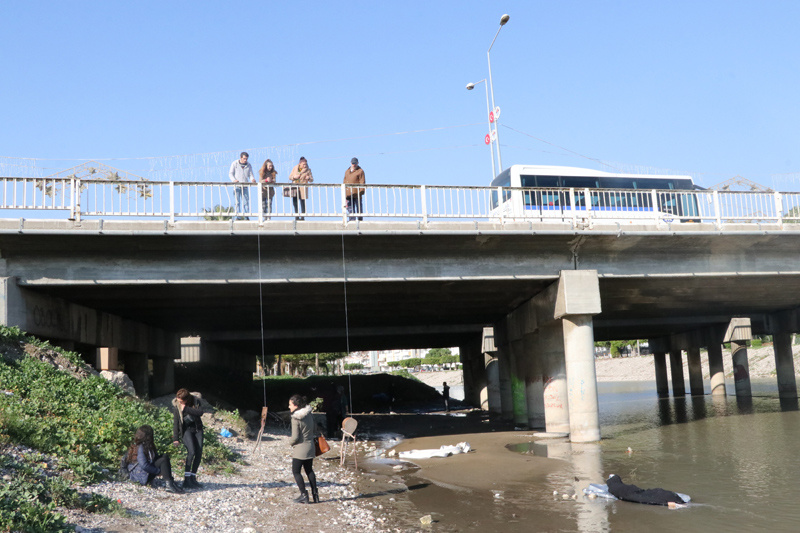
642 368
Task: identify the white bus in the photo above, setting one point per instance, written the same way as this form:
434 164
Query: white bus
560 193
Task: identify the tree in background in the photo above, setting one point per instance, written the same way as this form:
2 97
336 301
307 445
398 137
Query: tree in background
300 362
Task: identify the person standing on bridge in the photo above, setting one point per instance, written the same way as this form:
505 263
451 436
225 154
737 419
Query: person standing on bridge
242 172
187 426
355 175
300 174
268 175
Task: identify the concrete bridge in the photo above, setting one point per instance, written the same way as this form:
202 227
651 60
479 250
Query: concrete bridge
121 270
524 301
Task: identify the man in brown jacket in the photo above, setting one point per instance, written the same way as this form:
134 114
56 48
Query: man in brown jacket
355 174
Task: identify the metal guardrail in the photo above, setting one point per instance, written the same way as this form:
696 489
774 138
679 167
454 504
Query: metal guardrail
218 201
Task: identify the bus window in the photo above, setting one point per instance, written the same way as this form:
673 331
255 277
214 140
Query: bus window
579 183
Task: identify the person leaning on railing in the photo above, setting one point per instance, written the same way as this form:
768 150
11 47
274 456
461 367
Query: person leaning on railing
268 174
355 175
300 174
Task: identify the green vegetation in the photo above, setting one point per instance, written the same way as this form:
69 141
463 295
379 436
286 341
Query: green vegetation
353 366
79 419
300 362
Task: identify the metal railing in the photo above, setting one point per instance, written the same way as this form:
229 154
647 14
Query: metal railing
172 200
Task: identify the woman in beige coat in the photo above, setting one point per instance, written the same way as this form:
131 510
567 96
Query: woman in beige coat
304 431
300 174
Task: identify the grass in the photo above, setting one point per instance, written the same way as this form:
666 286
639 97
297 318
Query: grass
80 420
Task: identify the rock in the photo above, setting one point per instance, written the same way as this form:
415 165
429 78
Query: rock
426 520
120 379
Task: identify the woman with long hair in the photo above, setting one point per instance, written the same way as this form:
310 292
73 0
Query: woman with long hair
300 174
303 452
187 426
268 175
144 463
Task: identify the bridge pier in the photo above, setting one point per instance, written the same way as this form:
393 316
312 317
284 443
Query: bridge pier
676 369
781 325
716 369
695 371
662 382
490 401
551 341
738 333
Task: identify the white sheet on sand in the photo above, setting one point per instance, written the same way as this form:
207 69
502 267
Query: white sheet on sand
444 451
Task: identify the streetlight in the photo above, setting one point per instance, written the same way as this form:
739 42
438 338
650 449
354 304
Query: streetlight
503 20
471 86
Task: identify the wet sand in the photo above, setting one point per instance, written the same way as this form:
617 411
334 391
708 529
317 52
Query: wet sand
489 465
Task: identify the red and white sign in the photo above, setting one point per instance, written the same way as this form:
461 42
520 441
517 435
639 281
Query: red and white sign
487 139
491 116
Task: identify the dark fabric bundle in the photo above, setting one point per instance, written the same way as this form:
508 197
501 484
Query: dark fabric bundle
632 493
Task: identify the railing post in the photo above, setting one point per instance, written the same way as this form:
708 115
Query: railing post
717 213
423 202
588 200
343 200
77 199
654 202
172 202
574 207
500 204
779 208
259 203
72 199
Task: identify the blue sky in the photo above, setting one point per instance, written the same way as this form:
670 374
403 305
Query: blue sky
709 88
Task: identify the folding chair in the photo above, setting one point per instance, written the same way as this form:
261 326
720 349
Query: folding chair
349 426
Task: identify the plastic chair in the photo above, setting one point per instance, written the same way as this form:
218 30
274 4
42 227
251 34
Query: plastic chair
349 426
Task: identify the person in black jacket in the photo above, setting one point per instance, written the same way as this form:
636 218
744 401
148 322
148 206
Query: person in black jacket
187 426
144 464
632 493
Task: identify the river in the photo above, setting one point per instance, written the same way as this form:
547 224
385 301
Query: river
738 460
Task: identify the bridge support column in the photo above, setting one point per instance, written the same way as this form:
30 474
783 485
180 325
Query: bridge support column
490 396
518 396
552 343
504 381
784 364
107 358
534 387
676 369
738 333
473 369
662 382
584 415
695 371
716 369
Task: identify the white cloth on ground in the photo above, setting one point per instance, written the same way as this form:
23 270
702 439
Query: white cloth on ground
443 451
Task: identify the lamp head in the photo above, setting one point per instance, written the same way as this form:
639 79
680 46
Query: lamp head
470 86
504 19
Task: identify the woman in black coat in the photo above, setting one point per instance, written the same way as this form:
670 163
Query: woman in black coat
144 464
187 426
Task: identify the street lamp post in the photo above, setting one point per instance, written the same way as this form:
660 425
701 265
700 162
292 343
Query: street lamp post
471 86
503 20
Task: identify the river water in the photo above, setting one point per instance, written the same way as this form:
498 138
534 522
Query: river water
739 461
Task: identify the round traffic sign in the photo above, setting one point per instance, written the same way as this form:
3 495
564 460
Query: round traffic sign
487 139
491 116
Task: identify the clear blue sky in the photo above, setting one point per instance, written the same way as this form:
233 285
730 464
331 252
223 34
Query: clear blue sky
711 88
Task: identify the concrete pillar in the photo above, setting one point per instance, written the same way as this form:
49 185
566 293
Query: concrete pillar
554 377
741 369
584 415
107 358
473 368
662 383
519 400
676 369
163 380
716 369
504 382
695 371
534 388
784 364
491 402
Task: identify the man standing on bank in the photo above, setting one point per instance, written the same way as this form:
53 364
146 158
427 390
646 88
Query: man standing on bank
355 175
242 172
187 426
